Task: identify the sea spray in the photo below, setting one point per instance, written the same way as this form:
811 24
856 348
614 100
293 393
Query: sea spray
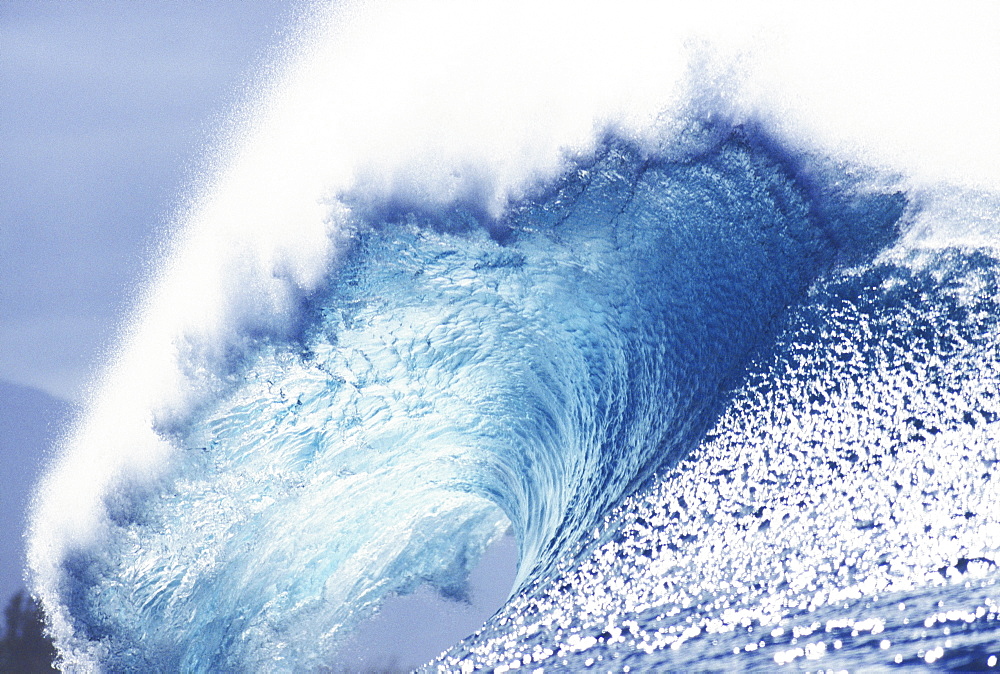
563 268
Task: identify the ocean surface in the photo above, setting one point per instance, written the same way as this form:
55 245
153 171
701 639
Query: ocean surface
736 399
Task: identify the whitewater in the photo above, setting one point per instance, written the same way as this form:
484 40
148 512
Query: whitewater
702 305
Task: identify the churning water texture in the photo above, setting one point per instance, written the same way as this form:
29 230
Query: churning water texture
734 416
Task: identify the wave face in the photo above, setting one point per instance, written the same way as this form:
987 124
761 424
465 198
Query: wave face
458 375
841 512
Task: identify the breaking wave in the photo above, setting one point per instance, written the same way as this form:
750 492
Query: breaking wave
715 380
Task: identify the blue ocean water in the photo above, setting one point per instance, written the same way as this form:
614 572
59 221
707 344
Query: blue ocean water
733 420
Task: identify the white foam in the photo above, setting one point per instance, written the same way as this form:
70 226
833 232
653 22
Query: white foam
433 101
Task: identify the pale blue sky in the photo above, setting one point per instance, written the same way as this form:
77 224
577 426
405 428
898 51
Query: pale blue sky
104 109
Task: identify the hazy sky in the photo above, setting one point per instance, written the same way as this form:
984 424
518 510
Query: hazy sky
104 109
